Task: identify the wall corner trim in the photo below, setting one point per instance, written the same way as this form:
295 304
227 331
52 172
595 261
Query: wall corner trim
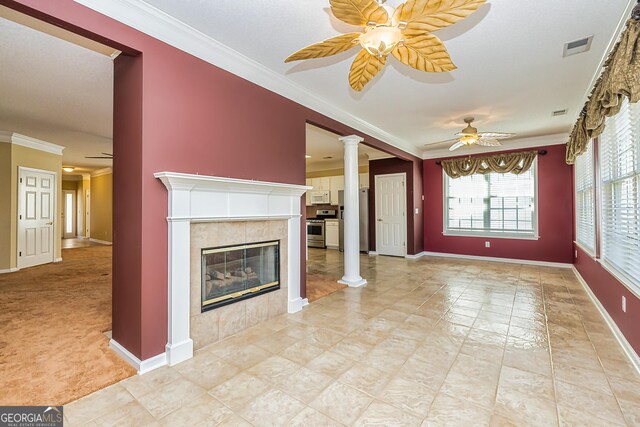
617 333
142 366
166 28
416 256
496 259
28 142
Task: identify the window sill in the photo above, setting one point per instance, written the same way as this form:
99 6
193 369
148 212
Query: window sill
491 235
589 252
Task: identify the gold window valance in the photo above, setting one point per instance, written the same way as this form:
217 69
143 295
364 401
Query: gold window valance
620 78
516 163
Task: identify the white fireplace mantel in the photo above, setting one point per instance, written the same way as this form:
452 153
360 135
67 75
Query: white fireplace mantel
199 198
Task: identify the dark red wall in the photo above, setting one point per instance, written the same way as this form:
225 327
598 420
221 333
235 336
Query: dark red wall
413 170
174 112
555 216
609 292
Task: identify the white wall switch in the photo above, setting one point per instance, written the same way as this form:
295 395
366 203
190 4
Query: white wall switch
576 254
417 211
487 244
624 304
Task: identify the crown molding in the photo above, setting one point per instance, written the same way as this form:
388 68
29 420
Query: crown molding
164 27
28 142
512 144
100 172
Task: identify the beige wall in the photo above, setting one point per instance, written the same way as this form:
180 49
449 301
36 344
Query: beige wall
5 205
25 157
102 207
335 172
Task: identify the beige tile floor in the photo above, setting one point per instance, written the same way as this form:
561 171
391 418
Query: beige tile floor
427 342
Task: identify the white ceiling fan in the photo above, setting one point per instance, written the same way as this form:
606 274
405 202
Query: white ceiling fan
470 136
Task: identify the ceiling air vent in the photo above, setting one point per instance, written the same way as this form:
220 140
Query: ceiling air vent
559 113
577 46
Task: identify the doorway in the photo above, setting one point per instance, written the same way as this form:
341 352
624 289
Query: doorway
36 207
69 214
391 216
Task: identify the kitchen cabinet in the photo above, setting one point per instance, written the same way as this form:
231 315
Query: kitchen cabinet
332 234
363 178
336 184
307 198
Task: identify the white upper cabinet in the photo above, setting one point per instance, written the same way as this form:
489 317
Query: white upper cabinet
337 184
364 180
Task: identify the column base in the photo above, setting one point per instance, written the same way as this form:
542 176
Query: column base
179 352
353 283
141 366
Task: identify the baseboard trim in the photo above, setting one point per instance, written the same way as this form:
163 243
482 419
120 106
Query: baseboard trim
142 366
373 253
617 333
57 260
416 256
103 242
9 270
296 305
496 259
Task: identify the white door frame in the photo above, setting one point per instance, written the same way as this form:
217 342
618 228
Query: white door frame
404 206
74 222
54 202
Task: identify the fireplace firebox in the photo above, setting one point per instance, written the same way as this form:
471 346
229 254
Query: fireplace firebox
235 273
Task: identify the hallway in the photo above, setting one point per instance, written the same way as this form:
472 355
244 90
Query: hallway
431 341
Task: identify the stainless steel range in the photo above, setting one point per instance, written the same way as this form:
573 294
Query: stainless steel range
316 228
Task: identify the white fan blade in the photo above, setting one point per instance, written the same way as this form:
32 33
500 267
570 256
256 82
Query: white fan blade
456 146
495 135
488 142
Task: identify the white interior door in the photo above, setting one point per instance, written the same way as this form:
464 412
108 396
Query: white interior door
36 217
69 214
391 222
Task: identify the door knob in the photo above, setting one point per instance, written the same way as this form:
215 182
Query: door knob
379 219
50 223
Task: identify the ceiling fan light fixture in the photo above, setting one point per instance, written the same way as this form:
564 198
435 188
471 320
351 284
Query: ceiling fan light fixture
380 40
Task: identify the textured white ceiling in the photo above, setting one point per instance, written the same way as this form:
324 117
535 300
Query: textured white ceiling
511 74
56 91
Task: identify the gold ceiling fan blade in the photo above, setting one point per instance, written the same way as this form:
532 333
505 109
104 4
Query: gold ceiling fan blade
457 145
328 47
364 68
425 53
359 12
488 142
495 135
423 16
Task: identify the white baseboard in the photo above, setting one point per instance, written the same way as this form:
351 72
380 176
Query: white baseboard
9 270
104 242
416 256
57 260
626 347
296 305
495 259
142 366
373 253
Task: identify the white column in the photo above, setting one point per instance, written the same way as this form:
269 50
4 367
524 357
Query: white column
179 344
351 213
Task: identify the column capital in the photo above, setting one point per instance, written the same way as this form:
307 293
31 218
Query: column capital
351 139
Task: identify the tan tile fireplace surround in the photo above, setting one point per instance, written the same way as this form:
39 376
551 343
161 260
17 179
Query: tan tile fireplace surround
217 324
206 212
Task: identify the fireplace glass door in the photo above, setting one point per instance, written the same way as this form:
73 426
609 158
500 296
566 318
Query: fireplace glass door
234 273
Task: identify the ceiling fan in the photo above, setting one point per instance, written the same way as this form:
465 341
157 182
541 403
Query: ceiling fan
470 136
405 33
104 156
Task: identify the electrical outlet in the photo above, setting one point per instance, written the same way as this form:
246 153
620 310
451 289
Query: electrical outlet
624 304
576 252
417 211
487 244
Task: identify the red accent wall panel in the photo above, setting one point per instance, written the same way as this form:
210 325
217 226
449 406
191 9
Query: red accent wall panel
609 292
555 216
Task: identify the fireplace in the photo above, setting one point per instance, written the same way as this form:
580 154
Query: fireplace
235 273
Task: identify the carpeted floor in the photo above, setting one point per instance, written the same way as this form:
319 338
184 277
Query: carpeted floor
52 319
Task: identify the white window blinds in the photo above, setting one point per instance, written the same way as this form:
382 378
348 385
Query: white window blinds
491 204
585 201
620 175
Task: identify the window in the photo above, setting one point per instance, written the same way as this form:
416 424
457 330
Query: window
620 189
495 205
585 201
